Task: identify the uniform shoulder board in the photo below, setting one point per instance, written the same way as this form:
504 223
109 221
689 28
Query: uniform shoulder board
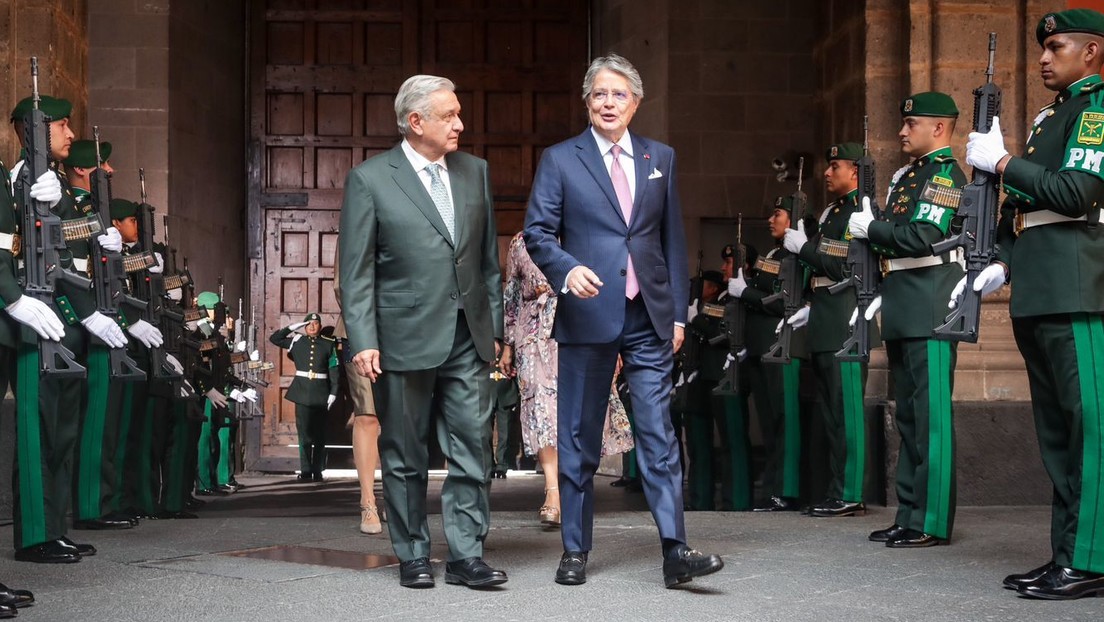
326 338
1047 107
943 159
1092 88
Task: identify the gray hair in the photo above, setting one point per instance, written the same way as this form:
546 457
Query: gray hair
619 65
413 96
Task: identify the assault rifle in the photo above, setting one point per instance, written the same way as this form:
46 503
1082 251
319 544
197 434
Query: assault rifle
860 264
151 287
735 314
42 239
790 284
108 272
976 220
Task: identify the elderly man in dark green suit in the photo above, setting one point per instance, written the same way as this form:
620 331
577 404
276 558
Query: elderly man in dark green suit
423 309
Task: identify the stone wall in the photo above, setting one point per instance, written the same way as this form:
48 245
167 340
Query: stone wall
56 32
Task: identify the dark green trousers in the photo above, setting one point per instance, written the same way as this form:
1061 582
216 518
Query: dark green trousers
310 423
459 391
840 386
106 414
774 388
724 416
923 378
1064 355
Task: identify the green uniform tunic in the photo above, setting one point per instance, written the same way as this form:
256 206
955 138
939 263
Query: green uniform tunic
914 302
840 384
316 356
774 387
1057 275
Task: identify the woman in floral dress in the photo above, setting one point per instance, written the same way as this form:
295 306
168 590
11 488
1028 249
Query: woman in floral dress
530 307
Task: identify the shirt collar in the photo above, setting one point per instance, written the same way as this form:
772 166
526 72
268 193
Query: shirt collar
931 155
604 144
417 160
1076 87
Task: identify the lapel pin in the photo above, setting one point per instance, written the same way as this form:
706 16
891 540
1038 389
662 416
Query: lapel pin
647 157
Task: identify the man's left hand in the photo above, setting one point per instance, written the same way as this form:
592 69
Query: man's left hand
795 238
680 335
985 151
860 221
158 267
111 240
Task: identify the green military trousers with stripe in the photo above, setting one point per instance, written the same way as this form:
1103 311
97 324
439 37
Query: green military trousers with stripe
726 414
923 378
775 390
94 478
840 386
1064 355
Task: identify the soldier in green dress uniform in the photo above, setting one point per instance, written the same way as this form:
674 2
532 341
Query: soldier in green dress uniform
774 387
840 384
916 283
1051 246
313 390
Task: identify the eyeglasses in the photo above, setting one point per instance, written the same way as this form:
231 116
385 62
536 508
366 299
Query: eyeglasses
621 97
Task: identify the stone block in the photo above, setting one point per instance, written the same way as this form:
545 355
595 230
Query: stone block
138 31
686 74
152 69
117 8
115 68
687 146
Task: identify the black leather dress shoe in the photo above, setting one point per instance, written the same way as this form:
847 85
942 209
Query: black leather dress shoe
191 503
128 516
498 475
416 573
684 563
227 489
15 598
7 611
1060 583
166 515
778 504
1016 581
47 553
620 482
304 477
572 570
885 535
473 572
102 523
912 539
211 492
84 550
838 507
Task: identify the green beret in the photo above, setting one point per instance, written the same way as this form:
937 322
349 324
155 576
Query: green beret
121 208
713 276
56 109
785 204
83 153
312 317
1073 20
929 104
207 300
844 151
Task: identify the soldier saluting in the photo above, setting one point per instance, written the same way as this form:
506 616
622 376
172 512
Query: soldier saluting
313 390
1050 240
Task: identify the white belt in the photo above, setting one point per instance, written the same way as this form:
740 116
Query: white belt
912 263
822 281
312 375
10 242
80 265
1027 220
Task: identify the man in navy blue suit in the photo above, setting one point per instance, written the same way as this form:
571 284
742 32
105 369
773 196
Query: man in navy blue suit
605 226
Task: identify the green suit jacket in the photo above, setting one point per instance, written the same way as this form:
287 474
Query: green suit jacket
402 276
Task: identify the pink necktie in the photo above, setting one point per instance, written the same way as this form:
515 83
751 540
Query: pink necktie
624 197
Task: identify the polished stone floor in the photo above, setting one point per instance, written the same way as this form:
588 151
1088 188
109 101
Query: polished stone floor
281 551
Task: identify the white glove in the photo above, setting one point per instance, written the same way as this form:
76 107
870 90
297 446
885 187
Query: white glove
47 188
297 326
146 333
239 346
38 315
243 396
160 266
988 281
795 238
217 399
871 310
798 319
737 284
250 394
106 329
111 241
860 221
174 363
984 151
330 401
692 312
176 294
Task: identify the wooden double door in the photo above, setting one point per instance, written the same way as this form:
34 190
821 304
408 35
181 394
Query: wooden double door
323 76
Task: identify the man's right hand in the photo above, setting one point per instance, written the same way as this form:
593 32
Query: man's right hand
106 329
218 400
38 315
368 364
297 326
583 282
47 188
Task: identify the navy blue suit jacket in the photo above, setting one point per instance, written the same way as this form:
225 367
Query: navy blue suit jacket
574 219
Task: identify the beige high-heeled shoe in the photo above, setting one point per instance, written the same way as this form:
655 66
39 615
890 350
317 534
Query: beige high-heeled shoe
370 520
549 515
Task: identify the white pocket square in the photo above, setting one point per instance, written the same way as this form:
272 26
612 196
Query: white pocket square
656 174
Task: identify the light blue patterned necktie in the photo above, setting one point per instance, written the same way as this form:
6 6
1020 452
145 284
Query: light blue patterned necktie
439 194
